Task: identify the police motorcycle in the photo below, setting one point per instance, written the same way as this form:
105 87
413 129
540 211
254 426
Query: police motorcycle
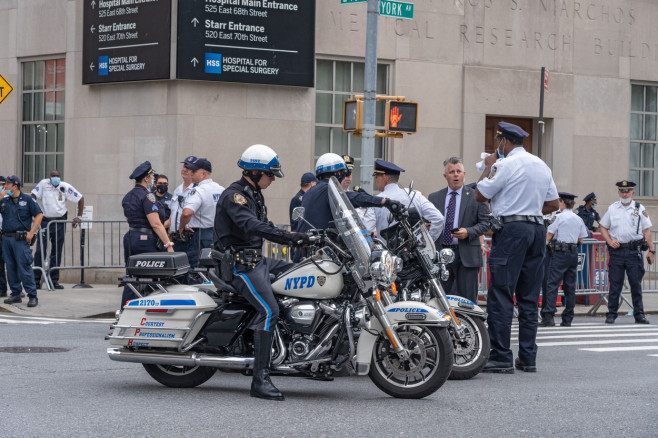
182 335
410 240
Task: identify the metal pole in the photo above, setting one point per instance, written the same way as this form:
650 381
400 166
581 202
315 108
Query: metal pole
369 97
82 284
541 111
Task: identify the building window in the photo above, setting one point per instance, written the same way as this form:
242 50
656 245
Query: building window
644 147
42 118
336 82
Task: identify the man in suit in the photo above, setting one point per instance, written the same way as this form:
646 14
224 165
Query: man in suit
465 221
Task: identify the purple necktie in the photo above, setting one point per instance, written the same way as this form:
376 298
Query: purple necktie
450 219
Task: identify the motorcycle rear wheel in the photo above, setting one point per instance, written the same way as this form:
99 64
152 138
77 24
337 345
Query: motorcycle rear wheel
471 357
427 368
179 376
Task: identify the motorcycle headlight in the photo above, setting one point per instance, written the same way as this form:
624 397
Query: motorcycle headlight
446 256
384 266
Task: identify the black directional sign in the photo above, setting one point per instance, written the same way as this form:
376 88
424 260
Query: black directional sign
126 40
254 41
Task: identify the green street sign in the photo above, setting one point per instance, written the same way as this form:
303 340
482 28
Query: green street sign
344 2
396 9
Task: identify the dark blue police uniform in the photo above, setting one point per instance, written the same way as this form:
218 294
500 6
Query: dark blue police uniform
17 214
295 202
164 201
241 224
589 217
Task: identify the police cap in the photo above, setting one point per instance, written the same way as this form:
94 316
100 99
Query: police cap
190 159
512 132
308 178
199 163
142 170
565 195
349 161
387 168
589 197
14 180
3 179
625 185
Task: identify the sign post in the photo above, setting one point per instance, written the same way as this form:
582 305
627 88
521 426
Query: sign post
544 86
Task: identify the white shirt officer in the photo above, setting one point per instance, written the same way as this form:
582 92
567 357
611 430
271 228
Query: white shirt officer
176 206
622 221
202 200
53 197
518 184
567 227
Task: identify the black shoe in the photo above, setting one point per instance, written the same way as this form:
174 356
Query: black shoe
547 321
13 299
498 367
565 324
261 385
33 302
22 294
609 319
58 286
642 320
523 367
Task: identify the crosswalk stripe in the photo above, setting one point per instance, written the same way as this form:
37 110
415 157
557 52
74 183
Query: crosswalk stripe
602 335
587 342
638 348
26 321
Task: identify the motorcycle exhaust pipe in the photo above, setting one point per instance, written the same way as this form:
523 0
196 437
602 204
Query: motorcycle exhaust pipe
186 360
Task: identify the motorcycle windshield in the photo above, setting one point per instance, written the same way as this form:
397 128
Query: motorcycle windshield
349 226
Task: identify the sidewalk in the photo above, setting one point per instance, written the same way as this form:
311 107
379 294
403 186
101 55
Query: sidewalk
102 300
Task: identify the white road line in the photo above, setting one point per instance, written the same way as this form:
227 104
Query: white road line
612 341
602 330
26 321
603 335
652 355
638 348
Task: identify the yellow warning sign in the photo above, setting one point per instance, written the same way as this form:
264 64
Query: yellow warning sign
5 89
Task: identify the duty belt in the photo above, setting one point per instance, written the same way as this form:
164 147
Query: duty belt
248 257
13 233
522 218
142 230
634 244
565 247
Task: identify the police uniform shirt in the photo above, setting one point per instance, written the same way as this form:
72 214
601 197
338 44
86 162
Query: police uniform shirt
296 201
137 204
427 210
589 216
518 184
53 199
165 200
202 200
622 222
17 213
567 227
176 206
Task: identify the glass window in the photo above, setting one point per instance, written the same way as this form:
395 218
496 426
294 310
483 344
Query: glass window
644 145
336 82
42 118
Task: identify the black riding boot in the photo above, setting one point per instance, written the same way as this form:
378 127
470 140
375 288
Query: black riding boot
261 385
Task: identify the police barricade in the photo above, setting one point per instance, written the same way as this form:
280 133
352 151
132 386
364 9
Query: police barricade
96 245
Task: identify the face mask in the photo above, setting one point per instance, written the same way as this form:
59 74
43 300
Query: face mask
594 205
55 180
151 183
9 192
500 154
625 201
162 188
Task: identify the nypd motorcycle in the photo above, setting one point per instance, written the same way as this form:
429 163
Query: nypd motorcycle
182 334
410 240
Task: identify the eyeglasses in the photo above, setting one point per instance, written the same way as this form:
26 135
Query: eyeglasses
268 174
348 172
625 190
375 175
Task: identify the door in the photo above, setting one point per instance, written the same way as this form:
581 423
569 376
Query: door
490 142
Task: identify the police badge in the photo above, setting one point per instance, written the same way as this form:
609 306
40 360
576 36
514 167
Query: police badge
322 280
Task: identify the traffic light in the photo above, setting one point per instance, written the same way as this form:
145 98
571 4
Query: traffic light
401 116
352 115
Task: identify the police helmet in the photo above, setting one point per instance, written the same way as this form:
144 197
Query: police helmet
329 163
261 157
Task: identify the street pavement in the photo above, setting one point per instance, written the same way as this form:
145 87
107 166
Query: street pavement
102 300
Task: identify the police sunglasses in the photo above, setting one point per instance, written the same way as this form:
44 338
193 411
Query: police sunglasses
625 190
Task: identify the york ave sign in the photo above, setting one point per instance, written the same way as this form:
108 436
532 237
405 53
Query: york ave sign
390 8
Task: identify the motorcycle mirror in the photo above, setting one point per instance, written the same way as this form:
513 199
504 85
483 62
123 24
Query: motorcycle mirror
298 213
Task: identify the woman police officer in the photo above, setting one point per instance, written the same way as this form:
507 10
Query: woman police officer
145 216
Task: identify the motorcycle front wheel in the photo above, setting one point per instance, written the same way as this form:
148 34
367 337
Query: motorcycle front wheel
426 370
175 376
473 352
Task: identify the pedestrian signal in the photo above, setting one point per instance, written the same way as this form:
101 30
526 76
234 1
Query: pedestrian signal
401 116
352 115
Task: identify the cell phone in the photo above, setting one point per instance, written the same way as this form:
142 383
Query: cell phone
454 230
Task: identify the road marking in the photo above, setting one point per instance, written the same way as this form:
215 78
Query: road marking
44 320
638 348
607 335
26 321
612 341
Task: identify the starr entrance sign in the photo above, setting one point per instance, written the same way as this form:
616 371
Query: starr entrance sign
5 89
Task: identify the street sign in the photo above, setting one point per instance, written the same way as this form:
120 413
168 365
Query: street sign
396 9
344 2
261 42
125 40
5 89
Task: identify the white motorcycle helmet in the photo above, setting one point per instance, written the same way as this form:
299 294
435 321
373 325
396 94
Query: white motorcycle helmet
329 163
261 157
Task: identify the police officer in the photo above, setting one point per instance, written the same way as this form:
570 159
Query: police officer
178 200
520 189
241 224
308 181
347 181
564 235
588 212
626 227
145 216
3 277
386 177
162 194
53 194
21 217
316 200
198 215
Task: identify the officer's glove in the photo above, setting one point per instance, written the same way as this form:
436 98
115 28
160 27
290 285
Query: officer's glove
393 206
360 190
299 239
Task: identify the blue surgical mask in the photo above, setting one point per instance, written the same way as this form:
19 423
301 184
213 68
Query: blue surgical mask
500 155
594 205
55 180
151 183
9 192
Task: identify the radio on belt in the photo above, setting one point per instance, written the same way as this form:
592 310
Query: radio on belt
158 264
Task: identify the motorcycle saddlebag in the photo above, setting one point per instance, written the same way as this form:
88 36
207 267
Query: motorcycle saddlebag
158 264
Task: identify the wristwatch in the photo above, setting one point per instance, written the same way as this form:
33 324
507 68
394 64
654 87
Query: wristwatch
652 251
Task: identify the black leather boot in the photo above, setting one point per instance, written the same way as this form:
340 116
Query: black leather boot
261 385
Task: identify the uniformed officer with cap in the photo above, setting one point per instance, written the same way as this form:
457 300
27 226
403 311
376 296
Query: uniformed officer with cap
198 215
308 180
145 216
21 218
588 212
564 235
520 189
625 227
347 181
178 199
3 277
386 177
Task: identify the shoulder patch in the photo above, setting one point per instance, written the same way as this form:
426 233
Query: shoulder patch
151 197
239 199
644 212
494 169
